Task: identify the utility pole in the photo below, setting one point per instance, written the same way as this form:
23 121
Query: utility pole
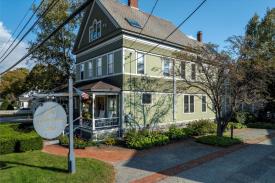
71 157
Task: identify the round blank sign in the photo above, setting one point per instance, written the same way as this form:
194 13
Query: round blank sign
49 120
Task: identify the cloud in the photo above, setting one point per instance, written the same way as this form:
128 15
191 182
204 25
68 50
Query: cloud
191 37
18 52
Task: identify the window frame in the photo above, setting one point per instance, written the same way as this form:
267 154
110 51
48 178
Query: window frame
94 34
137 62
169 68
90 69
189 104
204 103
82 69
99 60
112 63
151 98
193 72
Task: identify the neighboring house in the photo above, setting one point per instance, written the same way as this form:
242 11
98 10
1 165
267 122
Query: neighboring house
26 99
109 50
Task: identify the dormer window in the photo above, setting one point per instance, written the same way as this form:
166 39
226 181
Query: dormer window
95 30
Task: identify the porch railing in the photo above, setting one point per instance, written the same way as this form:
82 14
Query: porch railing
101 123
106 122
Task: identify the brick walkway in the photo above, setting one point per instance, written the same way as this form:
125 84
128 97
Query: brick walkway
123 158
106 154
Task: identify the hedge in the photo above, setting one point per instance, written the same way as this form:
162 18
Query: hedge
218 141
261 125
202 127
13 139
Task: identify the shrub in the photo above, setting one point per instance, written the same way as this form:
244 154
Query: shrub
144 140
6 105
202 127
218 141
235 125
7 145
15 139
110 141
261 125
28 143
78 142
244 117
175 133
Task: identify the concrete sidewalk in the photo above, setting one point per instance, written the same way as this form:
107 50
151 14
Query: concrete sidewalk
188 161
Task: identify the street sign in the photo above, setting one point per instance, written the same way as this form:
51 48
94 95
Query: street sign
49 120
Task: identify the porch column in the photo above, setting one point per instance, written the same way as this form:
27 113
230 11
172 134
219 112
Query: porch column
80 112
93 111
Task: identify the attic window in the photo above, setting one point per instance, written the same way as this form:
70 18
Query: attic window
95 31
133 23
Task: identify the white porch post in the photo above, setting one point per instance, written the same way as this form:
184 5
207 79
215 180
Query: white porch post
93 111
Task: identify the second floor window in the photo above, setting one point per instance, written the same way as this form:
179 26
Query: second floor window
140 63
193 71
146 98
111 63
189 105
167 65
182 73
95 31
90 69
82 71
99 67
203 103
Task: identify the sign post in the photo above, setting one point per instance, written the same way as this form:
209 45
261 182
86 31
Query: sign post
71 157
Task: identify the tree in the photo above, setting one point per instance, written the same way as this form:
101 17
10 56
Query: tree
255 52
146 115
212 79
43 77
56 52
12 83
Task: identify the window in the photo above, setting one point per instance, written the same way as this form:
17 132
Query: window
111 63
140 63
133 23
182 70
203 104
193 72
99 67
82 71
90 69
146 98
95 30
167 67
189 106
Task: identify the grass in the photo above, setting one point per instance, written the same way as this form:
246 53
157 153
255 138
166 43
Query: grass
218 141
40 167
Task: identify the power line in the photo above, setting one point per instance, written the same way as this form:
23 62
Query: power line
151 13
76 12
53 3
189 16
21 21
22 29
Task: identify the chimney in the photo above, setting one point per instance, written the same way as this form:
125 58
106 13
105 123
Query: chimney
199 36
133 3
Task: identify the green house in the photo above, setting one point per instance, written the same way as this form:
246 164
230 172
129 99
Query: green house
127 69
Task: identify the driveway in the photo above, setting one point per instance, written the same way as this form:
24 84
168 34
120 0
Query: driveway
188 161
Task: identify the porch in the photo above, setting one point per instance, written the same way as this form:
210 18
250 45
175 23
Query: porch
103 110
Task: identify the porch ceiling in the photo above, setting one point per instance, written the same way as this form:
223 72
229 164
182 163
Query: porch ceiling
99 87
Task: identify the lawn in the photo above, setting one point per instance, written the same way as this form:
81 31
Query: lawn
36 166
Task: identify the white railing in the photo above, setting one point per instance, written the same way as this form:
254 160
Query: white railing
106 122
101 123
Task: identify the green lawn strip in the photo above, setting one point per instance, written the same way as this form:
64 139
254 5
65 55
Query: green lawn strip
40 167
218 141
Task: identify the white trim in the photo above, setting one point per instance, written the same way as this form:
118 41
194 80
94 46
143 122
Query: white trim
205 103
189 103
144 63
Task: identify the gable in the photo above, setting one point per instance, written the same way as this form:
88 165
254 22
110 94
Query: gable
94 12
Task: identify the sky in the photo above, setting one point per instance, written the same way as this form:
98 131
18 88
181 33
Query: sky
217 19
